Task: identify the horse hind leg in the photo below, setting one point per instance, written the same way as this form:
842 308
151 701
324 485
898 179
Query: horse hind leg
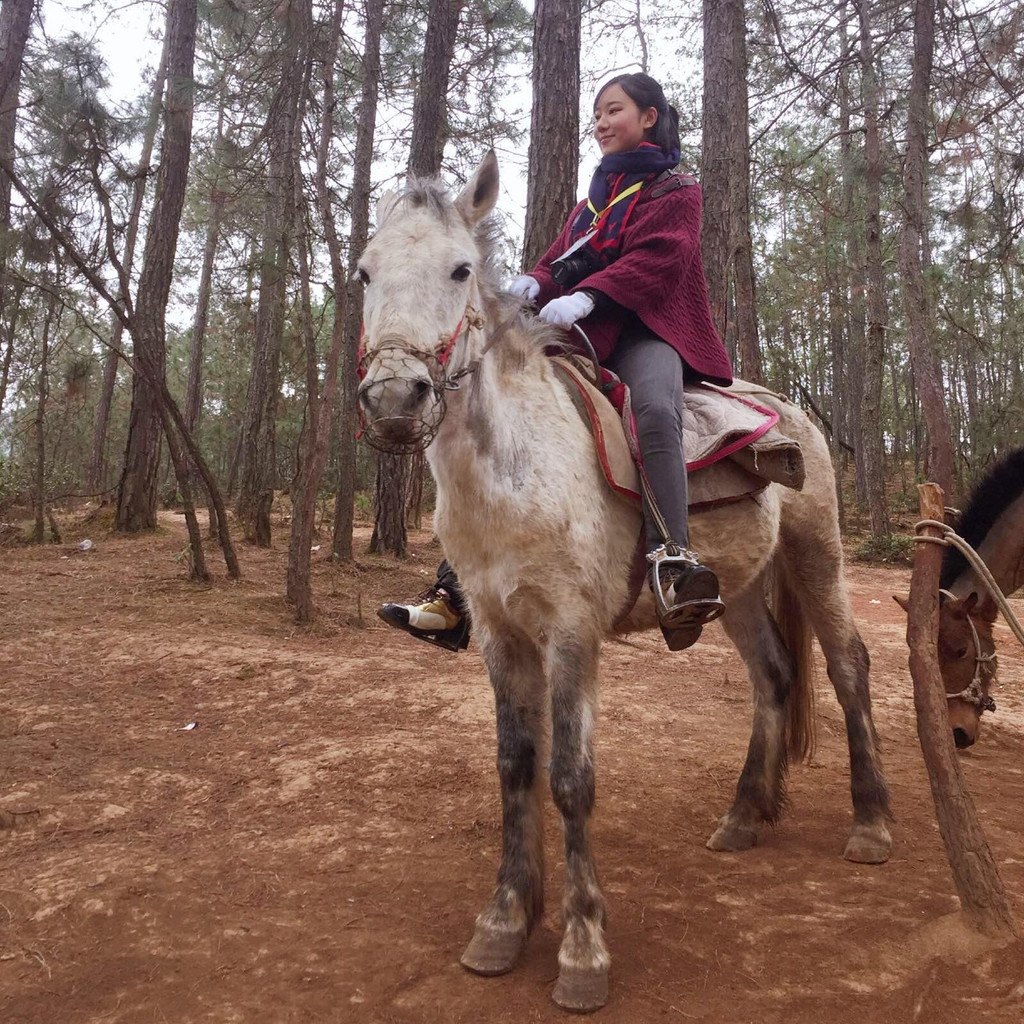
583 958
760 792
517 676
814 563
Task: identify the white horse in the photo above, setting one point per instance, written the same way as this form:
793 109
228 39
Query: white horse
543 550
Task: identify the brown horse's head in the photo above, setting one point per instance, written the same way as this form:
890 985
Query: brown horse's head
966 660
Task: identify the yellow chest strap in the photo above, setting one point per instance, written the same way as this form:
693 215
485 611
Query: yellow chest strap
625 193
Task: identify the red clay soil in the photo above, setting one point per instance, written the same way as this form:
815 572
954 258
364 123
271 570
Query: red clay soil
317 847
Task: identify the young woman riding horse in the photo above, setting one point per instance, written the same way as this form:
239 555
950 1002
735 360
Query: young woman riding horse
627 267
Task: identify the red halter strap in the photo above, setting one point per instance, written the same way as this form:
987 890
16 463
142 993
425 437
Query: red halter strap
442 353
446 353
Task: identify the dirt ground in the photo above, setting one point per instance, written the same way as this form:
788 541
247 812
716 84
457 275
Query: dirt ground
317 846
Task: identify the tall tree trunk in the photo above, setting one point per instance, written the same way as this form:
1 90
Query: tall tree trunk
874 351
854 285
12 327
725 177
430 109
833 277
214 211
348 294
39 497
554 154
136 504
97 470
320 413
924 359
741 246
395 473
715 159
259 435
15 24
389 532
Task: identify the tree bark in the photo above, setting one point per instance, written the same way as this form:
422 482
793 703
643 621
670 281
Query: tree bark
554 153
5 369
15 24
348 294
925 363
39 498
320 414
874 350
430 109
136 504
389 532
99 444
975 874
259 437
215 208
853 284
715 160
429 134
725 172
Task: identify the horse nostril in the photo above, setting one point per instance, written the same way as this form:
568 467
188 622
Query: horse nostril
961 739
421 389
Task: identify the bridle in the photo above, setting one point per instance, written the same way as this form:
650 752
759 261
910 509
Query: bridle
974 692
442 381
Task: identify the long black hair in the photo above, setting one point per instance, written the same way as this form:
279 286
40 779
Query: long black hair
645 92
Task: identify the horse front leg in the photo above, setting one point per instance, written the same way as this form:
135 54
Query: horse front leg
583 958
517 676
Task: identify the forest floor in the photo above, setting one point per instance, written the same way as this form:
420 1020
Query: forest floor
317 846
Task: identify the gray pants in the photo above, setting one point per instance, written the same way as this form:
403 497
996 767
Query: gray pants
653 372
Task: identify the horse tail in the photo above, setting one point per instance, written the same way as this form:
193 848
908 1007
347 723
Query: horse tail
796 635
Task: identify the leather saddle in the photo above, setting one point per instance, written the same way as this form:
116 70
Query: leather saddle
732 443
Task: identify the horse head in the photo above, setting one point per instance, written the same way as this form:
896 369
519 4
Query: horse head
966 660
422 273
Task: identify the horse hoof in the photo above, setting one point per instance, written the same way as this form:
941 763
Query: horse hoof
492 952
868 844
581 991
732 838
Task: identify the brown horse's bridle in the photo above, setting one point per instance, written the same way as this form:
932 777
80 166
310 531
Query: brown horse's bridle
974 693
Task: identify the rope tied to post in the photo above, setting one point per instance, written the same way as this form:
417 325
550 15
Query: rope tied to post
951 539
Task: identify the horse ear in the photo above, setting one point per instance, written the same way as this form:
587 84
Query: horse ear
385 207
477 199
903 600
968 604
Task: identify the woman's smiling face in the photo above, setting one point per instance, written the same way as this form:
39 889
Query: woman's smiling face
619 124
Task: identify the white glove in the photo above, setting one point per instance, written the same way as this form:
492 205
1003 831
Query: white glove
567 309
525 287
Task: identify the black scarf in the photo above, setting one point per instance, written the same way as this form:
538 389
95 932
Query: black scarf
617 173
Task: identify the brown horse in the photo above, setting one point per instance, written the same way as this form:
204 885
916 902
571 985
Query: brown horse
993 524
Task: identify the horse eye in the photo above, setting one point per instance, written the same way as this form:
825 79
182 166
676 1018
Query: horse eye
363 275
961 652
462 272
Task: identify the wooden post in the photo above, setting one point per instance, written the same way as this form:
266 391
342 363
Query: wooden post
975 875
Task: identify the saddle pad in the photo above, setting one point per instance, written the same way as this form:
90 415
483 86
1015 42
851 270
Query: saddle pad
717 426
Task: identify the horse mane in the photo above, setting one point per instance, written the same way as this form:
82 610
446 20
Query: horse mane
1002 486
